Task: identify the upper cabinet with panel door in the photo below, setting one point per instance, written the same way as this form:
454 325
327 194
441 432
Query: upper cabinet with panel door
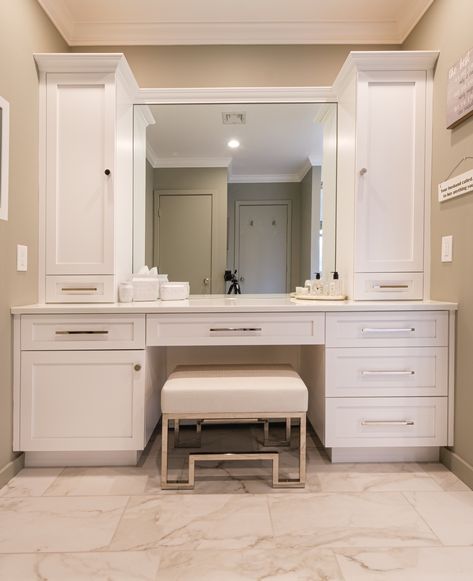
87 114
384 189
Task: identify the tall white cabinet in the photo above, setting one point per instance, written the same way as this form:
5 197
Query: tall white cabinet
86 213
384 163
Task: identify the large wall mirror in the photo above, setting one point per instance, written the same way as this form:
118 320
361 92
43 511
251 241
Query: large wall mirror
245 187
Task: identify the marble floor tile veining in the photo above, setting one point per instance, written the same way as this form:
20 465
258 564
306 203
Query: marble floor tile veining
352 522
123 566
58 524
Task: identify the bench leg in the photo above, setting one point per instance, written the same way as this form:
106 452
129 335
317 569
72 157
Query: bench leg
195 443
286 442
166 484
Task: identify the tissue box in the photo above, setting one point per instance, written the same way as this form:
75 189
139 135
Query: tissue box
174 291
145 288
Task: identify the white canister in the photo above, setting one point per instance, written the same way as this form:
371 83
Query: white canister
174 291
125 292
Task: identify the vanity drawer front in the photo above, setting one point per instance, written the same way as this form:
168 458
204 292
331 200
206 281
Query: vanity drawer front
73 332
389 421
232 329
374 372
388 329
388 286
80 289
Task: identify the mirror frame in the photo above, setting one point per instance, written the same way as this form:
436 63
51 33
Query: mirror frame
4 157
243 96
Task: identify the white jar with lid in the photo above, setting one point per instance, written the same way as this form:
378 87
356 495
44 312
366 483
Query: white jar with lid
125 292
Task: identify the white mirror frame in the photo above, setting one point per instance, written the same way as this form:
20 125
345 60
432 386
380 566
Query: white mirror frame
4 158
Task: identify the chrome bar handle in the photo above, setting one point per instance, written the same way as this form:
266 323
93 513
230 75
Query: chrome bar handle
82 332
388 330
387 422
406 372
390 286
235 329
80 288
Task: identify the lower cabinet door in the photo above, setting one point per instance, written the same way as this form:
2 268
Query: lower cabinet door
390 421
82 400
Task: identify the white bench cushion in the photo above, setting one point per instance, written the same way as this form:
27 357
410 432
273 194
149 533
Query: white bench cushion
234 389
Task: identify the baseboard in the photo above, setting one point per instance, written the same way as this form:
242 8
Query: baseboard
457 465
406 454
90 458
11 469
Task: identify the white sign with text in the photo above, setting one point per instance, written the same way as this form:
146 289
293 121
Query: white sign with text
454 187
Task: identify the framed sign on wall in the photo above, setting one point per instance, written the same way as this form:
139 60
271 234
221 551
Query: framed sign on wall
460 90
4 156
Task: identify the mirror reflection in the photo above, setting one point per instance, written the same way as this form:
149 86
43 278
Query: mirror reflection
249 188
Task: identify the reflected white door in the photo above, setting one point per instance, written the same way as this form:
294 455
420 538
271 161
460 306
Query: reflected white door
262 246
184 239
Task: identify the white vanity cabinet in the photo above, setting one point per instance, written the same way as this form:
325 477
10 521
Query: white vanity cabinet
87 168
85 385
384 167
82 400
387 381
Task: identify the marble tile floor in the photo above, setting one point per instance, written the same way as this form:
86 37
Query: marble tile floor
384 522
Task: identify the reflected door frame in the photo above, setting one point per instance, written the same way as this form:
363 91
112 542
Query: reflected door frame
288 204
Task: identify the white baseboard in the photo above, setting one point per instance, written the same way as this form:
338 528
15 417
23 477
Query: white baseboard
11 469
413 454
457 465
111 458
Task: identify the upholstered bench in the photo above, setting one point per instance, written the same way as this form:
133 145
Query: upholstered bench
242 392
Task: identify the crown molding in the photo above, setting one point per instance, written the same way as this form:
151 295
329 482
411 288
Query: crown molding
385 60
264 178
184 162
236 95
60 16
90 62
245 30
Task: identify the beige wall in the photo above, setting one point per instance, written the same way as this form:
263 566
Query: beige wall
235 66
447 27
24 29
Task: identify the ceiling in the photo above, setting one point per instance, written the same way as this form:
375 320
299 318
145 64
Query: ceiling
180 22
278 142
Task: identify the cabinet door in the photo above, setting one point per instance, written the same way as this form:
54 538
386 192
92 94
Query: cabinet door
390 171
79 191
82 400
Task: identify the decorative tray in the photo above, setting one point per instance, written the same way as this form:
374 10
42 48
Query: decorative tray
308 297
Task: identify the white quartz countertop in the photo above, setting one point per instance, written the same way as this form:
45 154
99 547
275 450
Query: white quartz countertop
230 304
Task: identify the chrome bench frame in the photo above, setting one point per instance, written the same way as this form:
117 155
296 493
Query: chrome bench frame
299 482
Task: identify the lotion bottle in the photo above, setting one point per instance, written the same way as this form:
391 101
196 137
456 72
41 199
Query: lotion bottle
334 289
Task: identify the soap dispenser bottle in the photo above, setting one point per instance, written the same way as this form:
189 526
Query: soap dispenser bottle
317 285
334 288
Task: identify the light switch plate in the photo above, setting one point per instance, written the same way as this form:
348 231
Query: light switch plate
21 258
447 248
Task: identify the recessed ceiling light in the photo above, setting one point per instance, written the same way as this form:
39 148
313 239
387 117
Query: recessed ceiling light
233 143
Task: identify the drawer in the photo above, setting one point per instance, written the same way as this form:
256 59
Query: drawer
232 329
64 332
388 286
388 329
375 372
80 289
390 421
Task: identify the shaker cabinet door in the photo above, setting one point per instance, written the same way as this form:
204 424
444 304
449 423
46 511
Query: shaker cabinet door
390 166
82 400
80 138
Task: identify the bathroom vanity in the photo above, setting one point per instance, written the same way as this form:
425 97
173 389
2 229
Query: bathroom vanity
88 377
379 367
